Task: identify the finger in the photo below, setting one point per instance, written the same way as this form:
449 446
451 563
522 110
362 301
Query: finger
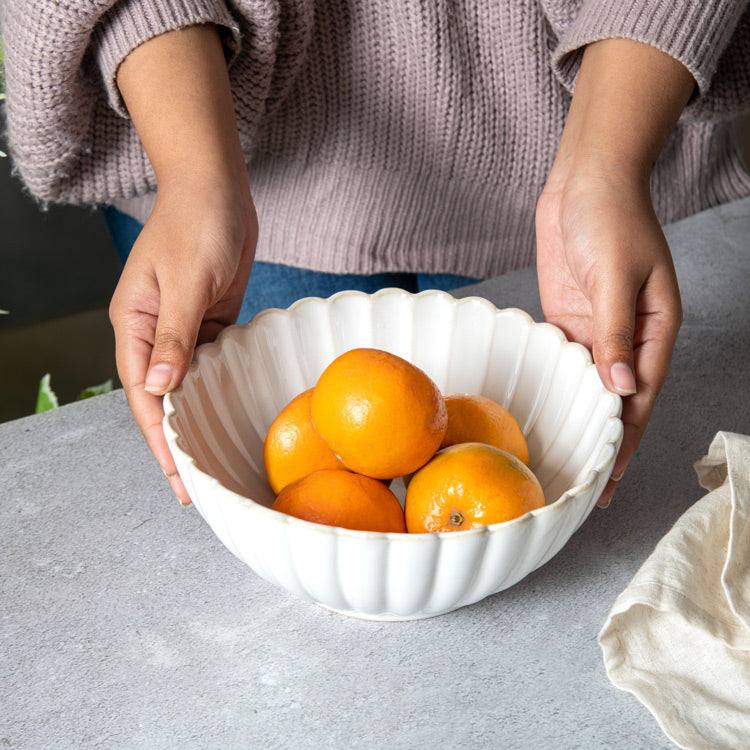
618 471
613 308
178 487
636 411
181 311
656 335
149 413
606 497
133 349
615 478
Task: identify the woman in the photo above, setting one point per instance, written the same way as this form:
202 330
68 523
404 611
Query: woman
383 138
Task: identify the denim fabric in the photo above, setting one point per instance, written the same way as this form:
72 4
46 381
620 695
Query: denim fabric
123 229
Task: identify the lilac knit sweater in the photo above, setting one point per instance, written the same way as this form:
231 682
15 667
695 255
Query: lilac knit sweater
381 135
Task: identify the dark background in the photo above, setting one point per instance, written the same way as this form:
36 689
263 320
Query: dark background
58 269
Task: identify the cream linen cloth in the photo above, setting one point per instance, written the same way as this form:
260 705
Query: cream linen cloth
678 637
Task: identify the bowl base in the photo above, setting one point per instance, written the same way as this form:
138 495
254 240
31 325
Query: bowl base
387 616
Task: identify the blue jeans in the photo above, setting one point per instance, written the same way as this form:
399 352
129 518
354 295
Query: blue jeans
276 285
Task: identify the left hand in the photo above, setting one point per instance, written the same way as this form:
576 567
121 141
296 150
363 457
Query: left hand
606 278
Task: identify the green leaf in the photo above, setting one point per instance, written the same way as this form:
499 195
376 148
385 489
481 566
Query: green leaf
46 398
95 390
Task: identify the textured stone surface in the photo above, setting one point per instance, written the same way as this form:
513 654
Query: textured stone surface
125 623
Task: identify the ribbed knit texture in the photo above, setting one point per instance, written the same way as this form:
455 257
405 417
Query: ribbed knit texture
380 135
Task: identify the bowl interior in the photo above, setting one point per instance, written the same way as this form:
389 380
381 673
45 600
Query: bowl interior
238 384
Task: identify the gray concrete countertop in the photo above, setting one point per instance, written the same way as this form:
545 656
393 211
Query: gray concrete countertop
124 623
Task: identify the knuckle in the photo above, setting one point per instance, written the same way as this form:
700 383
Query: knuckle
114 311
171 343
617 339
130 324
202 285
214 286
668 324
636 428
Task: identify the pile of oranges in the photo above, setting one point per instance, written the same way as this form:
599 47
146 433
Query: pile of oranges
331 453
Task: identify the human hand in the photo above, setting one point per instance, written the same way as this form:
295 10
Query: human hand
606 279
186 275
183 283
605 271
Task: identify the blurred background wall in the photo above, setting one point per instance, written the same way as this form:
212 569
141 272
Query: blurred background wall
57 272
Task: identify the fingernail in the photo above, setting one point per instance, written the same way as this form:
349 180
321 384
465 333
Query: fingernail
622 379
158 379
617 477
604 501
179 489
606 497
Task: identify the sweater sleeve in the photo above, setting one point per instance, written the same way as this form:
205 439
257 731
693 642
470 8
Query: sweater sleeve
67 136
711 38
130 23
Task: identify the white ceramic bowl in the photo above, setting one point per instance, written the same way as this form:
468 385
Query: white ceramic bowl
215 425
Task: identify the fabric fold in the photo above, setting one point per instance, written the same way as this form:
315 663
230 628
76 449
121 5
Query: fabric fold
678 637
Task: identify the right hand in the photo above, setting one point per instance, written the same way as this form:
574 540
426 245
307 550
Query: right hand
182 284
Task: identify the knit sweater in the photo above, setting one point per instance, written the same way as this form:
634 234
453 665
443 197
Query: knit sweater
380 135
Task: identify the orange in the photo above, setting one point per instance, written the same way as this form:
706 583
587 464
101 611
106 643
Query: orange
293 448
476 419
470 485
379 413
342 498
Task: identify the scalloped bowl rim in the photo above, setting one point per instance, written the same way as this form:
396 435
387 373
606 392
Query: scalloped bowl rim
210 350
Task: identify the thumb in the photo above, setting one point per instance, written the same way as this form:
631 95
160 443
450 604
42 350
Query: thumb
181 311
613 331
